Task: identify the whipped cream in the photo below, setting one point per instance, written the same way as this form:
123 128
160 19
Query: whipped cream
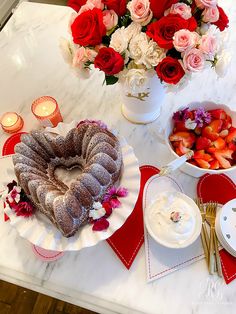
171 218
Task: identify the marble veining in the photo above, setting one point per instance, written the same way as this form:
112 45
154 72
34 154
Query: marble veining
31 66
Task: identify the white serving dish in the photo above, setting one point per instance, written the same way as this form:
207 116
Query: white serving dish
188 168
197 227
225 226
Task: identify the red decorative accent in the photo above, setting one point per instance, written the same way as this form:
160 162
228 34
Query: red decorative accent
127 241
8 147
46 255
220 188
216 187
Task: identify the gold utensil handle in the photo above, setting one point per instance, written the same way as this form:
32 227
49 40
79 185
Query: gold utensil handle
218 262
206 235
211 253
204 244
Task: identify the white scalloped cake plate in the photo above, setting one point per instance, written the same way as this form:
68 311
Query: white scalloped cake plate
41 232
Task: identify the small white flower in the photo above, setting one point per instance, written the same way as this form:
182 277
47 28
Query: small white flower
190 124
222 64
97 212
119 40
134 79
138 44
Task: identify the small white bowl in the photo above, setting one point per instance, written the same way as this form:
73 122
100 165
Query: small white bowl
188 168
169 244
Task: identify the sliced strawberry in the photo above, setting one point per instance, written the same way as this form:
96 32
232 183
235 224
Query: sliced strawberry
211 149
221 156
224 133
198 130
178 152
208 132
180 126
219 143
192 162
182 148
232 146
187 138
216 125
227 122
203 143
203 163
232 135
218 114
200 154
214 164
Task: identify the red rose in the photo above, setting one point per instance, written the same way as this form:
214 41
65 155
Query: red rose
163 30
158 7
170 70
76 4
88 28
109 61
223 21
119 6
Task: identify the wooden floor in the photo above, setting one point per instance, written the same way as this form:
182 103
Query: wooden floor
17 300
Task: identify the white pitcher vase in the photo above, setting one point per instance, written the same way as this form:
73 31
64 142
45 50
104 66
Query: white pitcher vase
144 105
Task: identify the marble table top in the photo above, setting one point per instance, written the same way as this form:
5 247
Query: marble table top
31 66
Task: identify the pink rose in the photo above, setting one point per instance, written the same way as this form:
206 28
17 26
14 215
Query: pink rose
182 9
110 19
210 15
91 4
201 4
82 55
208 44
140 11
184 39
193 60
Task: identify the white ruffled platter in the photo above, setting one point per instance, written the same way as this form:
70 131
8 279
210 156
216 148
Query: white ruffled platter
41 232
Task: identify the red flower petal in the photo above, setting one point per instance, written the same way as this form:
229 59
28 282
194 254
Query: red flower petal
101 224
115 203
108 208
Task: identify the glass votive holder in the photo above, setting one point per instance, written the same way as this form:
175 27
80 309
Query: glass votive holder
47 111
11 122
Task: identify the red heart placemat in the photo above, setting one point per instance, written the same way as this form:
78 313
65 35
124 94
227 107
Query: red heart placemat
220 188
127 241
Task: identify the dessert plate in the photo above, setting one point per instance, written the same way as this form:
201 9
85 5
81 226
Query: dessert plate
41 232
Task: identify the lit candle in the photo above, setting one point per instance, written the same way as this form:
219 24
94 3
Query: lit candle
11 122
46 110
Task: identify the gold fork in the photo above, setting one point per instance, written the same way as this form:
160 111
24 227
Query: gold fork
213 249
204 234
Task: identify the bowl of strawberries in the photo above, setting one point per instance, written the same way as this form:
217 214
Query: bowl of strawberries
207 129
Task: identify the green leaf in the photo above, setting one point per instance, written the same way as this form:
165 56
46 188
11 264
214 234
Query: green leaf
110 79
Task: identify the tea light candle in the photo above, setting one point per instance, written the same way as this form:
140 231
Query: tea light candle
11 122
46 110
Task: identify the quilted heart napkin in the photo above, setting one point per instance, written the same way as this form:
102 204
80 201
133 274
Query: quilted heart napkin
127 240
220 188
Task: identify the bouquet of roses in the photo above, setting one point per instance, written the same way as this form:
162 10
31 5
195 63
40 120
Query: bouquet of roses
128 40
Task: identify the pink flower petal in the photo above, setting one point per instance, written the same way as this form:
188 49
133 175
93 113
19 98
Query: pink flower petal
122 192
115 203
101 224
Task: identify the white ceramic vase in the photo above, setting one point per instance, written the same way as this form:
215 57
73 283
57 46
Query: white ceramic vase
144 105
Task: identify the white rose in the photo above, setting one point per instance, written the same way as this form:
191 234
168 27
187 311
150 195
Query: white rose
137 45
222 64
132 30
67 50
119 40
134 78
152 55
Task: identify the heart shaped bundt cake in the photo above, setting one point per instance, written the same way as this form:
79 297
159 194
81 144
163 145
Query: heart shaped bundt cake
97 153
